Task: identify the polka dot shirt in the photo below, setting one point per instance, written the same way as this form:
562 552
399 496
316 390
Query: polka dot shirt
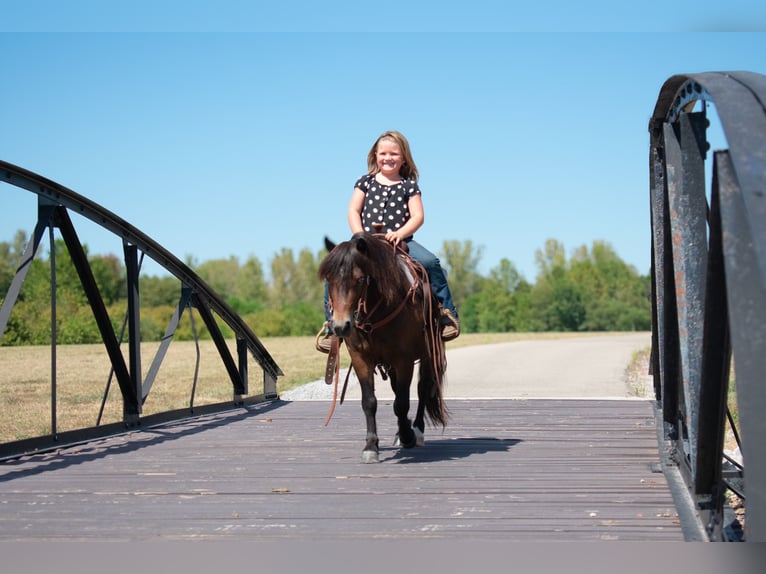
386 204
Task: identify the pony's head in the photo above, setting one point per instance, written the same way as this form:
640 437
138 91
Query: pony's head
361 269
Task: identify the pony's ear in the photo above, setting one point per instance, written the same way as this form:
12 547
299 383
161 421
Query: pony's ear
329 245
360 242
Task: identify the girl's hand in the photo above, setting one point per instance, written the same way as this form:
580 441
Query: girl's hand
393 237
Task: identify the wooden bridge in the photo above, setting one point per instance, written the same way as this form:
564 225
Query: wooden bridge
532 469
540 469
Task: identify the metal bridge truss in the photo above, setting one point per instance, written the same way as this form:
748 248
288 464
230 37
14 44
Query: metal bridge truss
709 290
55 202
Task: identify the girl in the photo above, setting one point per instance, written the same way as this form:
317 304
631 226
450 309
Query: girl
389 194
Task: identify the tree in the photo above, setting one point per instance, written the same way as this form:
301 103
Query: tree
594 290
506 275
461 261
500 303
551 260
556 299
159 291
294 281
250 285
10 258
109 273
306 287
615 295
220 275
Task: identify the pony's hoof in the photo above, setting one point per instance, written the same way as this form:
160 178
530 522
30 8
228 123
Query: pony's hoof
369 456
398 442
420 438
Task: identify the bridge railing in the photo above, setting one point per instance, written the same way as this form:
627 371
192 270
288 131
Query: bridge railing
55 202
709 290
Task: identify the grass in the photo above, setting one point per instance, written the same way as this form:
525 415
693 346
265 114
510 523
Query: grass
82 377
637 374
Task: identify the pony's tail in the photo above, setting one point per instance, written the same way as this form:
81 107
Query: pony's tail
434 366
432 372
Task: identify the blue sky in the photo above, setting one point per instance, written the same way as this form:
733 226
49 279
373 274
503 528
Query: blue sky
240 131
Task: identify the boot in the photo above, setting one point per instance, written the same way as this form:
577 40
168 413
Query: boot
450 326
324 339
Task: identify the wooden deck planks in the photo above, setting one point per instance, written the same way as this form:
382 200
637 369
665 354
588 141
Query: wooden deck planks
538 469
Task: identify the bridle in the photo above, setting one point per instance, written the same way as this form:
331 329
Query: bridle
362 317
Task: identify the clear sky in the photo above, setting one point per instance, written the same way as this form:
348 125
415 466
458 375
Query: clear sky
226 128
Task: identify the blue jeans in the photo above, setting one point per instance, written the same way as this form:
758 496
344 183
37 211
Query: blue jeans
436 275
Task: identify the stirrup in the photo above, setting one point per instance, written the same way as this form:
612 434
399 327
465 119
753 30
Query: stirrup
323 341
450 326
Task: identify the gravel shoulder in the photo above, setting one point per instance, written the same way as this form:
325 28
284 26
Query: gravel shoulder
587 367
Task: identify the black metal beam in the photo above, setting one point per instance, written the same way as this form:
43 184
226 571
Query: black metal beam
167 338
55 200
746 294
716 360
131 403
223 350
44 219
666 370
688 214
61 195
733 318
134 319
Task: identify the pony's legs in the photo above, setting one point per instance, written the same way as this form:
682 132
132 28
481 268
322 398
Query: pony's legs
425 382
400 383
370 408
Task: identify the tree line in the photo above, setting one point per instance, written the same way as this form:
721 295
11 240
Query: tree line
591 290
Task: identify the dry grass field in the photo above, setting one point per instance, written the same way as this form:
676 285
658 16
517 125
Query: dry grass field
83 374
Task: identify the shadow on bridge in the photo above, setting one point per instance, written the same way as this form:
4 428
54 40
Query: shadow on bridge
67 455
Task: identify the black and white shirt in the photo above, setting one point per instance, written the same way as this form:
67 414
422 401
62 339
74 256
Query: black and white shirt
386 204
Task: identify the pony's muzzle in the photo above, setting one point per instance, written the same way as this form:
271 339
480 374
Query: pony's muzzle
341 329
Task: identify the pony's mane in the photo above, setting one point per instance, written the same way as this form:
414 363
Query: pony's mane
375 257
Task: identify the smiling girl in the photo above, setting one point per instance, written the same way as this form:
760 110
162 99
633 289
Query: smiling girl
388 194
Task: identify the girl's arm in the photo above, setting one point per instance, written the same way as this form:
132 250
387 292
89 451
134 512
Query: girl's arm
417 217
355 207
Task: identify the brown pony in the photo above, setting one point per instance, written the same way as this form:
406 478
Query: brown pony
383 309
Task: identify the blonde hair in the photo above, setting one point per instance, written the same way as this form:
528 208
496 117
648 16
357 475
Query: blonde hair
409 169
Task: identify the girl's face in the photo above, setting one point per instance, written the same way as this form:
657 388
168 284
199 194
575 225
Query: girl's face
389 158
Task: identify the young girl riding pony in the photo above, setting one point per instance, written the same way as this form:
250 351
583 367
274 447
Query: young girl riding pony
389 194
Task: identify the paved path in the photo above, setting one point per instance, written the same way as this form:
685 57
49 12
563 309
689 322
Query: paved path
582 367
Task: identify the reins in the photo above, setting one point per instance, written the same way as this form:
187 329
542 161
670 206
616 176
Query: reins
333 371
361 311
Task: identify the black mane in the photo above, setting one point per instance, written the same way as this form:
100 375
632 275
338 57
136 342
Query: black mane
375 257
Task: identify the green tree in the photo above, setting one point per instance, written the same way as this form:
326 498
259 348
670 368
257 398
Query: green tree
500 303
595 290
295 280
251 290
616 297
551 261
221 275
109 273
307 289
556 300
159 291
10 258
461 259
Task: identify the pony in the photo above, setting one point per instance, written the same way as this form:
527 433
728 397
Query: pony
383 309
